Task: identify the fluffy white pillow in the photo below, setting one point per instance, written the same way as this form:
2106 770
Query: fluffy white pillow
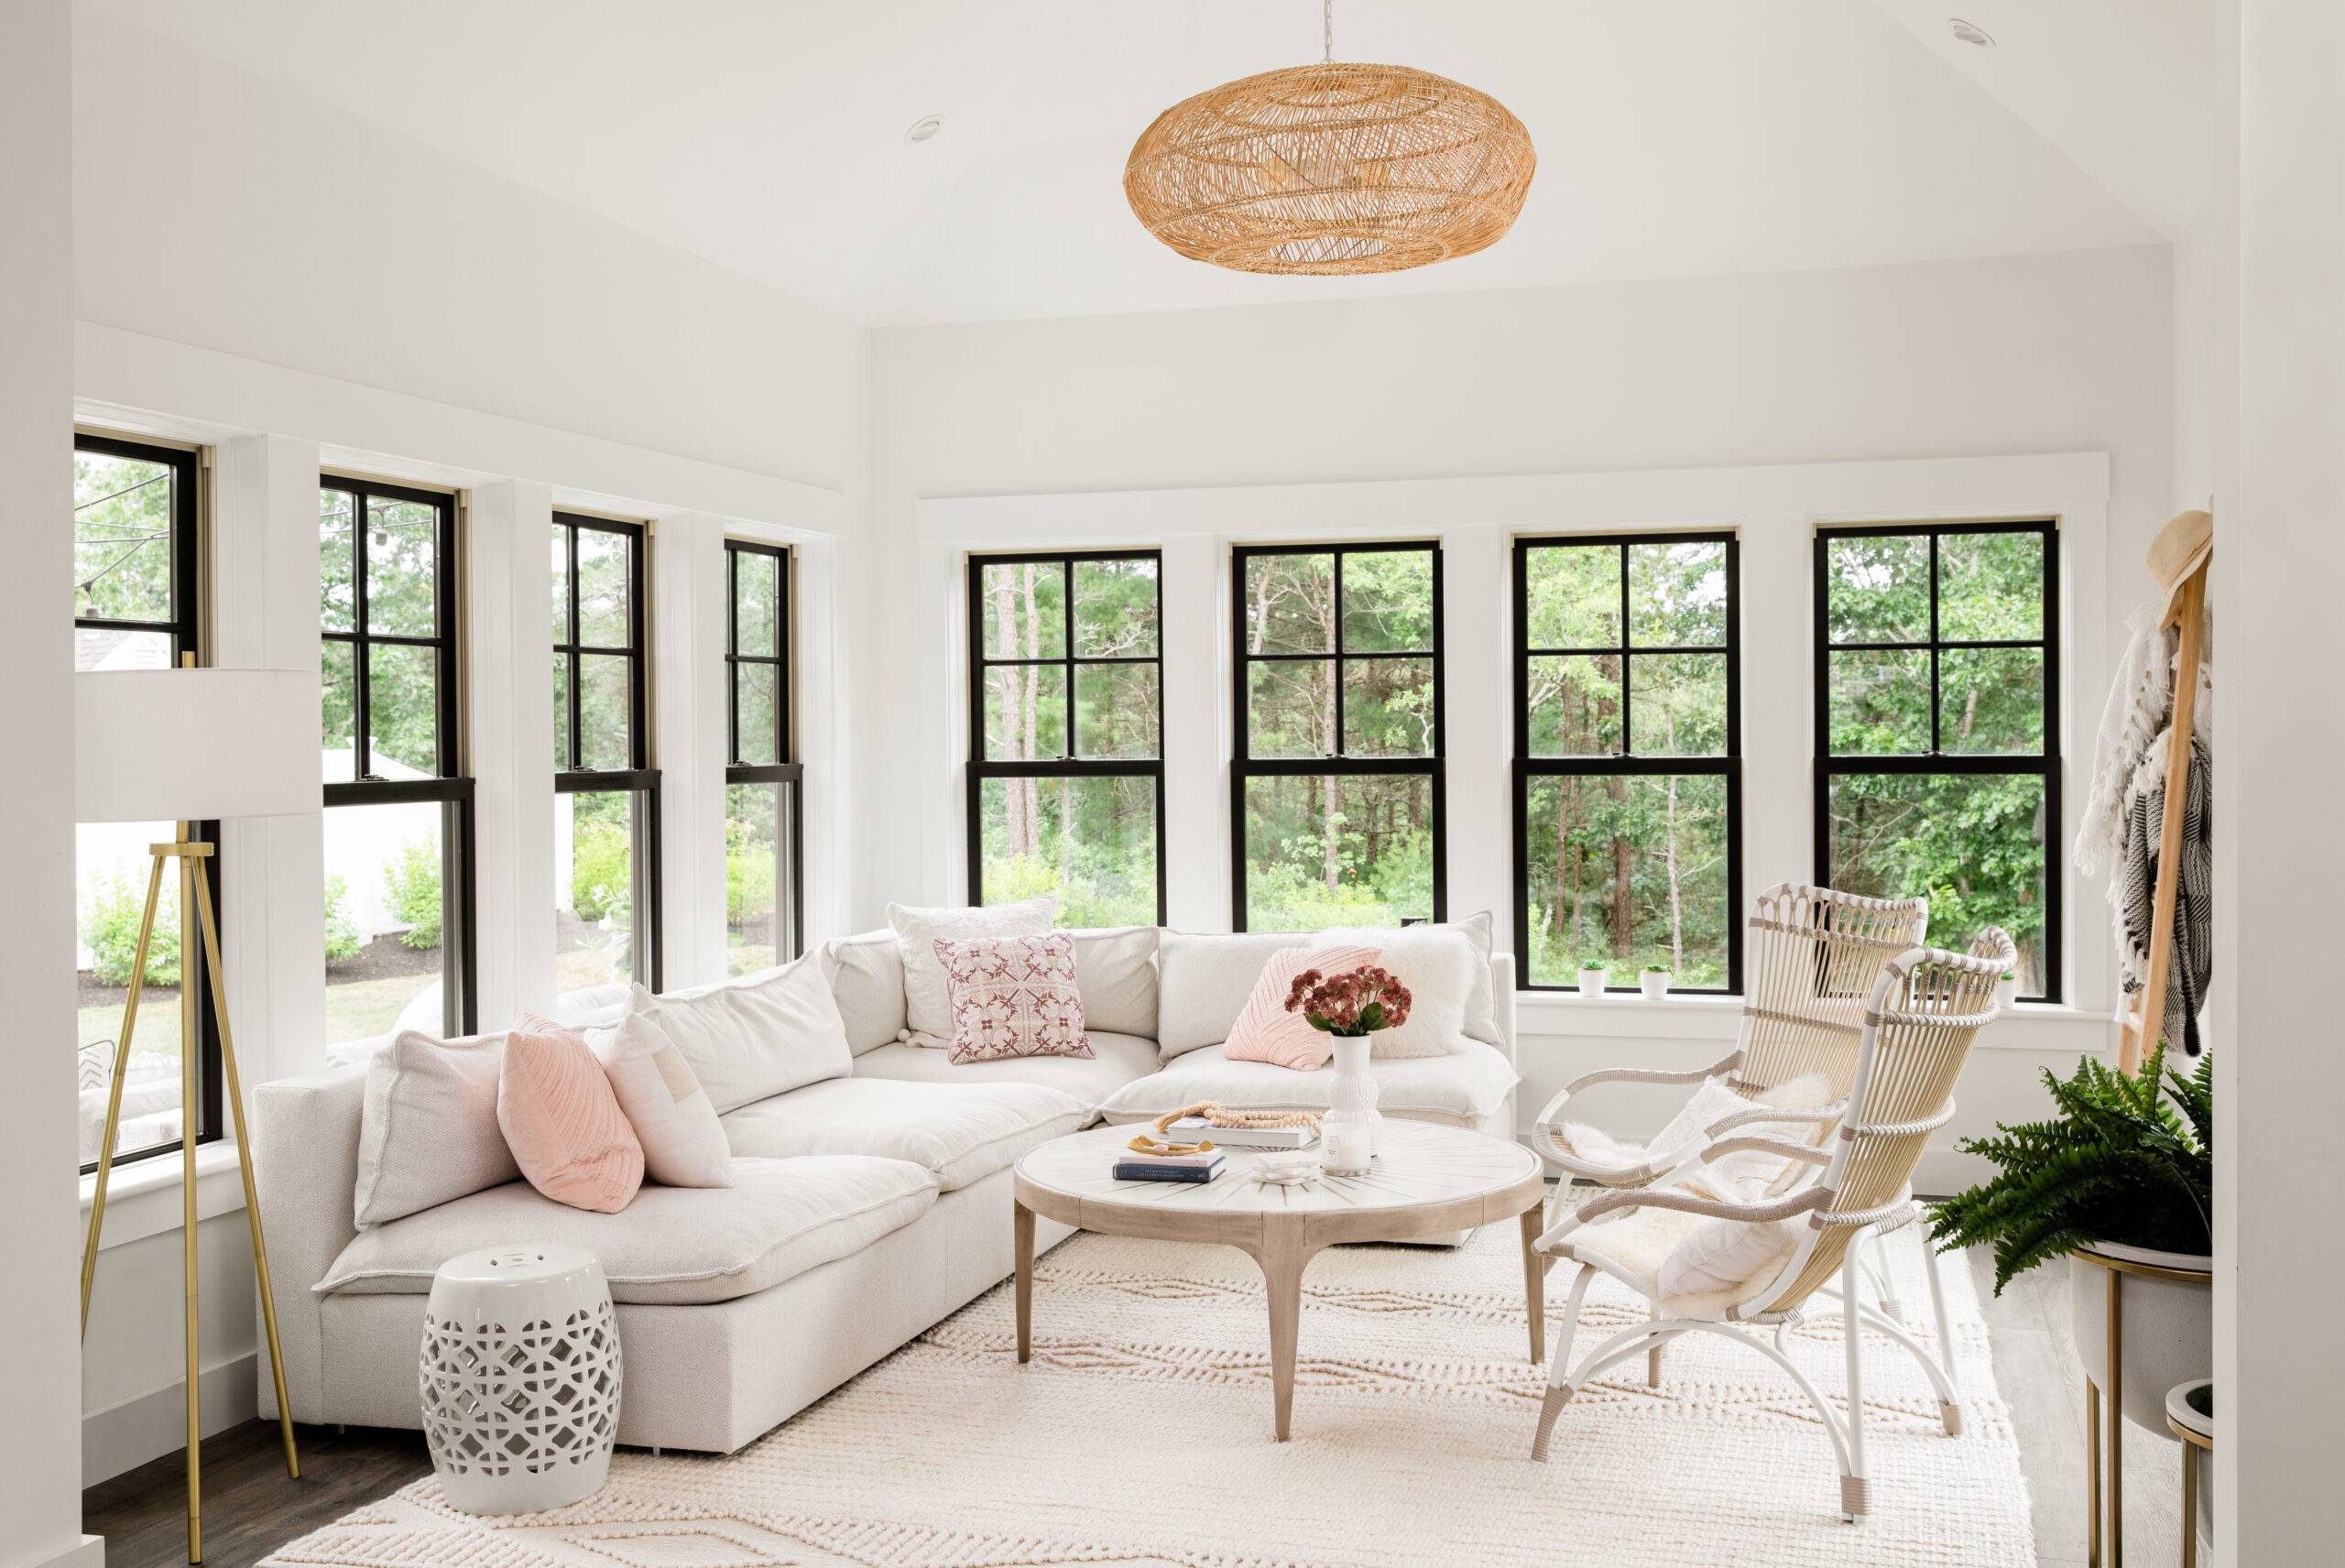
1749 1175
762 1035
427 1131
683 1145
1436 963
927 1012
1724 1257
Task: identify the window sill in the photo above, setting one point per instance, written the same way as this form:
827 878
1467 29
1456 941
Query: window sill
144 1199
2053 1028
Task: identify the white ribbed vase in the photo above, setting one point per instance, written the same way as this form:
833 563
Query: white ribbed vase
1352 1129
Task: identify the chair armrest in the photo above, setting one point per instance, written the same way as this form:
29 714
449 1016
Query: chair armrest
1635 1075
1805 1154
1822 1116
1595 1208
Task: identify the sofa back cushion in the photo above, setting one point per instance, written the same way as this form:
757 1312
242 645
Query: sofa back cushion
1204 983
761 1035
866 975
1115 971
428 1134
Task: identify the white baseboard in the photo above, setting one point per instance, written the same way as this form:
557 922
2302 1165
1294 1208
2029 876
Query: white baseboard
124 1436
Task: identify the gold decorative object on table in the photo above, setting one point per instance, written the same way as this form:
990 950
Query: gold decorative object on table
1331 168
198 745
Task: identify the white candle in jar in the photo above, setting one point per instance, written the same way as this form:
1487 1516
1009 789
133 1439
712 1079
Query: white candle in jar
1348 1149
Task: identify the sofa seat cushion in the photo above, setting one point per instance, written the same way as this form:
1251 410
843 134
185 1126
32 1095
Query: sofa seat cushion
957 1131
1116 1060
674 1245
1462 1088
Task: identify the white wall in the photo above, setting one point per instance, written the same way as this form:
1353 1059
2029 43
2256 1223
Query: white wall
2034 355
2279 560
40 1478
259 271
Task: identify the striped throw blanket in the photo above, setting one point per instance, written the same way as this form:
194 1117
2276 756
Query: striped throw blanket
2193 963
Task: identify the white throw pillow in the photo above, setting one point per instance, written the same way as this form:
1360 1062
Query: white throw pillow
1204 982
762 1035
683 1145
1749 1175
427 1131
1115 973
1437 965
1721 1258
1481 996
928 1013
866 978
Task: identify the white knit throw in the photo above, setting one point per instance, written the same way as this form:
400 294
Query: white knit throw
2140 702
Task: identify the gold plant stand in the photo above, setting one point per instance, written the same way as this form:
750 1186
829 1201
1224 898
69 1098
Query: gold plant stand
2118 1268
195 893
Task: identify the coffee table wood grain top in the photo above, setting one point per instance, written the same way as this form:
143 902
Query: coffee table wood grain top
1427 1181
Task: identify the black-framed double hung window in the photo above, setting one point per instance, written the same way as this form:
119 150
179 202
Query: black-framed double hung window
1335 787
1067 721
1937 714
138 587
765 908
607 817
399 820
1627 758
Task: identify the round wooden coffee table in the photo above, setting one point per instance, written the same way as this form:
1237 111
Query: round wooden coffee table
1427 1181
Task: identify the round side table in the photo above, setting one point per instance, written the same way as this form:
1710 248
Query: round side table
519 1379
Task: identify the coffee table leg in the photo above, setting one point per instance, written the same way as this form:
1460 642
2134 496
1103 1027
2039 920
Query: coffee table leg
1534 1282
1282 1259
1023 1222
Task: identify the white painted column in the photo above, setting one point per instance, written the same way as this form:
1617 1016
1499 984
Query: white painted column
1194 588
40 1355
825 738
1777 688
939 766
688 745
509 686
1478 695
2279 560
265 596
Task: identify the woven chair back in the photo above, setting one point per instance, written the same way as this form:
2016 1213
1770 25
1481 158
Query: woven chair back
1922 1017
1813 955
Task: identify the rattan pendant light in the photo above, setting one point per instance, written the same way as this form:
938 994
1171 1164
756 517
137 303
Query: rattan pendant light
1331 168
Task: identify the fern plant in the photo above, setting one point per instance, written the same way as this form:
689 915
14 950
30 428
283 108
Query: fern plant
2129 1159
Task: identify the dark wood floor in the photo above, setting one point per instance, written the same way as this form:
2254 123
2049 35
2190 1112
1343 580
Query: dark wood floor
250 1508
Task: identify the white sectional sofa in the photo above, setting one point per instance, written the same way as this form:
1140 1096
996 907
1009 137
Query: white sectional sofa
866 1206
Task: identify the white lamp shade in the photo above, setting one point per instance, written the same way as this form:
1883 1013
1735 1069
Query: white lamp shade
194 744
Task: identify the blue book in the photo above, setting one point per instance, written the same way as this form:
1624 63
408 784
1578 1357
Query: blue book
1143 1171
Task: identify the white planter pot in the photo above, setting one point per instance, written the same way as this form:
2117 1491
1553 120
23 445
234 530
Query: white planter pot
2169 1332
2179 1409
1592 982
2006 994
1654 986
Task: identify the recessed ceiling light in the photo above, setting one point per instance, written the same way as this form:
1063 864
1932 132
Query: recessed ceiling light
925 127
1970 32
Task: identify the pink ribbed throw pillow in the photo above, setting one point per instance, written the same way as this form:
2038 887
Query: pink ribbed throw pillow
1266 1031
563 1123
1012 996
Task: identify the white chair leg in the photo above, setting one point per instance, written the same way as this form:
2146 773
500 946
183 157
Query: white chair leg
1950 1409
1559 1361
1840 1432
1852 1478
1652 1357
1886 1279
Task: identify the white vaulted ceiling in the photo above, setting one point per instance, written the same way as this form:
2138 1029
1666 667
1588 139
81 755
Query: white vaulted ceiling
1675 136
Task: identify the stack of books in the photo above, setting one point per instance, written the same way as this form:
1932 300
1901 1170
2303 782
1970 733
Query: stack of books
1133 1166
1196 1129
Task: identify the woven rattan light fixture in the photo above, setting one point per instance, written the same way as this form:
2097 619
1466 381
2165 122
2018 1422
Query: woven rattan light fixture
1331 168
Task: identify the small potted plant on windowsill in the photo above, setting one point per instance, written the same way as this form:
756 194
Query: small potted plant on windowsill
1591 978
1655 981
2125 1172
2006 991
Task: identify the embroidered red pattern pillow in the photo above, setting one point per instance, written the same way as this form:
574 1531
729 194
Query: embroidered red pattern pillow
1012 996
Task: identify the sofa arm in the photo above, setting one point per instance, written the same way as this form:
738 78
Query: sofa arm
1502 999
305 1167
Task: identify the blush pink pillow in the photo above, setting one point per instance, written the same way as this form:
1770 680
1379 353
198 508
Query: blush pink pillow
1266 1031
1012 996
563 1123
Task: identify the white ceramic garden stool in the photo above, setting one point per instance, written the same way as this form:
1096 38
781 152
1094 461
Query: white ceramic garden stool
519 1379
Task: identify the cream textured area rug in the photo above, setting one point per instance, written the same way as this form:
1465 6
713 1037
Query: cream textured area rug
1140 1435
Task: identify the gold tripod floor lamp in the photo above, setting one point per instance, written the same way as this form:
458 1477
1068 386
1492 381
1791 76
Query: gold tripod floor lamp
195 745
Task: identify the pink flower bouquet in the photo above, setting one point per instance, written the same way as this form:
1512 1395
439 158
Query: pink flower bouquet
1355 1003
